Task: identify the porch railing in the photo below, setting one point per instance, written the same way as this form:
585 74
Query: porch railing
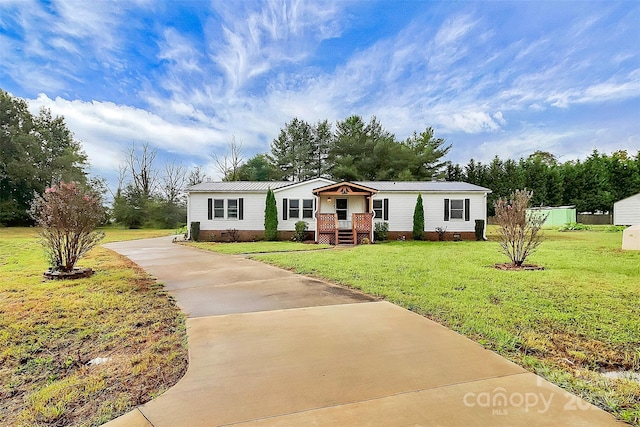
362 226
327 228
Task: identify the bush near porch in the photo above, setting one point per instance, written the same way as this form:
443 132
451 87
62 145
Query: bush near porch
567 323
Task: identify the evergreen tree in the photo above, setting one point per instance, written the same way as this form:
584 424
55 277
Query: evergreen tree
270 217
418 220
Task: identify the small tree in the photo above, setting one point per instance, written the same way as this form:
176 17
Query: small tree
418 220
519 233
67 216
270 217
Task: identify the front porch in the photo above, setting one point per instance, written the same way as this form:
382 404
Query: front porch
345 214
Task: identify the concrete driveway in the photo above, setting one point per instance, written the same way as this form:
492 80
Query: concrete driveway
269 347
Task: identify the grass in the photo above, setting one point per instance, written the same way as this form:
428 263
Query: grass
50 330
256 247
567 323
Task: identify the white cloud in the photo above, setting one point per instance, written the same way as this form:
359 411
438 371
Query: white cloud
107 130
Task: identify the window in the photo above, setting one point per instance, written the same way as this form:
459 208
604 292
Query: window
294 208
377 209
218 208
381 209
307 208
457 209
232 208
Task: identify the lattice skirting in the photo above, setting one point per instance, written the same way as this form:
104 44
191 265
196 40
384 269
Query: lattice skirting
327 239
362 236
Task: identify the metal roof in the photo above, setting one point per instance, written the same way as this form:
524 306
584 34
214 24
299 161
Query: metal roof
426 186
235 186
413 186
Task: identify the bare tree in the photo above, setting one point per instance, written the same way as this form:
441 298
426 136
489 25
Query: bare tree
196 176
173 181
229 163
139 163
519 233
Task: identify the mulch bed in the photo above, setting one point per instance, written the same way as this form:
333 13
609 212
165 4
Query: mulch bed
509 266
77 273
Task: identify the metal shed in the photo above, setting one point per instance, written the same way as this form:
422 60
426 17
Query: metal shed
556 215
627 211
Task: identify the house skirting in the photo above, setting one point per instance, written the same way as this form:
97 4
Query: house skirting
255 235
244 235
432 235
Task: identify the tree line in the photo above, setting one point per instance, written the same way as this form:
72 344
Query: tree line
592 185
39 150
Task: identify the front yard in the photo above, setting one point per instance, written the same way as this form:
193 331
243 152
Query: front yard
50 331
569 323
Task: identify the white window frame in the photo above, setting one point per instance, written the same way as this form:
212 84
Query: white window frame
222 209
294 213
380 209
231 209
307 212
452 210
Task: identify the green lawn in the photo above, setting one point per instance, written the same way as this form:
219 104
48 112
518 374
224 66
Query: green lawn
256 247
577 317
50 330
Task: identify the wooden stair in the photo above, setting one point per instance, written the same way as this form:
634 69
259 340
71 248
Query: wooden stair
345 237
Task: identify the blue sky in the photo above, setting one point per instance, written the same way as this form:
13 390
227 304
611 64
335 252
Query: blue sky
492 78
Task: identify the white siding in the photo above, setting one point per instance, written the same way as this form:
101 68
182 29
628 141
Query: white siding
627 211
402 205
300 192
253 211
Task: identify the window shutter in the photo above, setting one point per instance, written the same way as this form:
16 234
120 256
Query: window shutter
467 203
366 204
240 208
285 208
210 209
446 209
385 209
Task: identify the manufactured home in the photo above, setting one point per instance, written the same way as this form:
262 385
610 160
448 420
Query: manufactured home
336 212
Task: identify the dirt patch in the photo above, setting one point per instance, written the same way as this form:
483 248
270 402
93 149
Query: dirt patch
513 267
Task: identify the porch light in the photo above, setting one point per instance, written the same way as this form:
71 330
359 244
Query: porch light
329 199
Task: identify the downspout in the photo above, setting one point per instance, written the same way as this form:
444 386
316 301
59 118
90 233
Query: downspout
315 214
484 232
372 215
188 216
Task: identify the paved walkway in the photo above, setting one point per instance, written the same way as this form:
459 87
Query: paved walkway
271 348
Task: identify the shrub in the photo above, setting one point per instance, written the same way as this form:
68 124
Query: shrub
381 231
195 231
418 220
301 231
519 233
270 217
574 226
67 216
233 234
615 228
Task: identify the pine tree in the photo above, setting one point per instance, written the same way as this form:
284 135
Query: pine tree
270 217
418 220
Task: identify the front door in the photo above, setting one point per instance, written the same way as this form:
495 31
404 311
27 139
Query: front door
342 209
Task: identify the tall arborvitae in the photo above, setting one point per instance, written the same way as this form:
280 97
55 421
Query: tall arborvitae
418 220
270 217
